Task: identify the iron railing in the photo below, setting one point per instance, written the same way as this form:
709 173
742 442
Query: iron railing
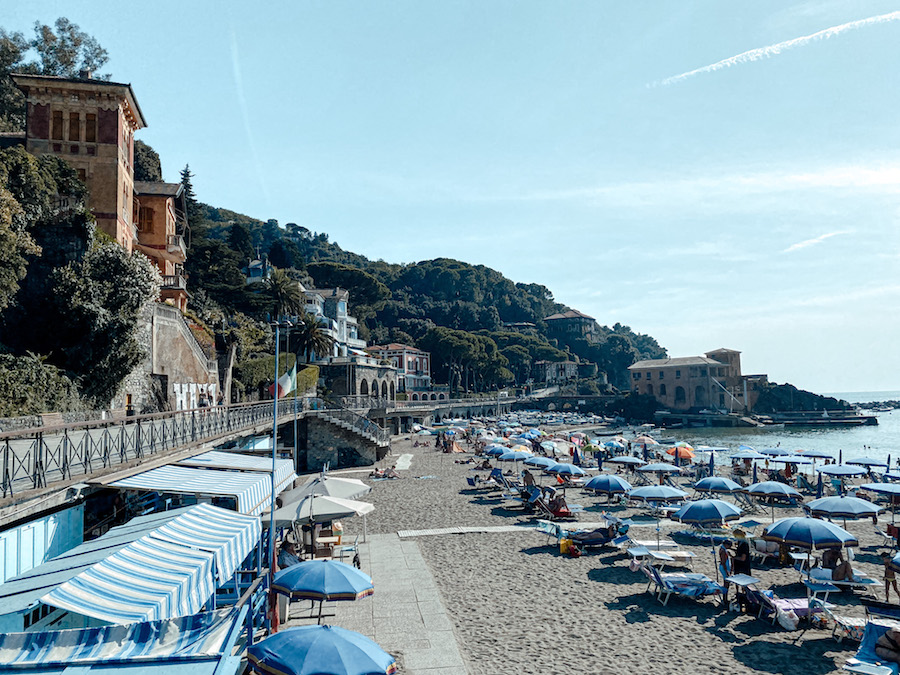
34 458
360 423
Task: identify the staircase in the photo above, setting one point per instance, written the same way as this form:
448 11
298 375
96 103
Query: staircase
358 424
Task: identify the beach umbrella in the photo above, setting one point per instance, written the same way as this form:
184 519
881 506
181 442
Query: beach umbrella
626 459
659 467
681 453
657 493
319 650
495 450
754 472
841 470
867 461
712 464
843 507
890 489
792 459
744 447
645 440
540 462
331 486
707 512
771 488
565 469
514 456
717 484
774 452
614 445
810 533
817 454
820 487
748 454
608 484
891 475
894 563
323 580
549 446
590 447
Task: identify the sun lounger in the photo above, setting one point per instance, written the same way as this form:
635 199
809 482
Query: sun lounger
850 627
859 581
683 585
880 610
866 661
886 539
662 559
770 606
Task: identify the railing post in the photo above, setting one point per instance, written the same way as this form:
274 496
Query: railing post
138 450
193 425
38 478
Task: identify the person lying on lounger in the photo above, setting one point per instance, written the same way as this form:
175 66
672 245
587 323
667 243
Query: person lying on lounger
841 570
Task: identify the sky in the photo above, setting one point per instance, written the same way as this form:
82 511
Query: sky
713 174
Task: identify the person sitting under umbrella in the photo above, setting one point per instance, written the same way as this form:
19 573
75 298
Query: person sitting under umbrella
558 505
287 556
841 570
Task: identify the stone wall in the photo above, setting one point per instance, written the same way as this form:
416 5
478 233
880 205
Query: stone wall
175 373
327 443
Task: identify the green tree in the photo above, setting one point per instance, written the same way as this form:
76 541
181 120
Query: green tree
15 245
97 302
240 241
12 101
284 293
147 166
28 386
193 209
68 51
285 254
367 294
309 337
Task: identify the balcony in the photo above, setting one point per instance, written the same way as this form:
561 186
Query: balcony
176 247
173 250
174 282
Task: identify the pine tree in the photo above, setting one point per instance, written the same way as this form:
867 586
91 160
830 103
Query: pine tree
194 210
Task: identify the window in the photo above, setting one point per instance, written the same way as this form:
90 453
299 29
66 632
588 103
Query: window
677 374
91 150
145 219
82 175
73 149
662 390
637 376
703 372
90 128
650 389
662 374
56 131
74 127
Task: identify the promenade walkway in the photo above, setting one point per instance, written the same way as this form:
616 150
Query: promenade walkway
405 615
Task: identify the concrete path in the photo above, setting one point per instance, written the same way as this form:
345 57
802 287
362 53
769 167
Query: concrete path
405 615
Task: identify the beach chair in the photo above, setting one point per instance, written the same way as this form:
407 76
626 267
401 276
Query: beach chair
761 553
804 485
859 581
878 609
770 607
850 627
479 483
346 549
886 539
865 660
746 502
683 585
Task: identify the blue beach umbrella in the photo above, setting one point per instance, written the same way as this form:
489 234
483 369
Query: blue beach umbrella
614 445
607 484
659 467
771 488
657 493
820 487
707 512
754 472
774 452
817 454
323 580
841 470
565 469
496 450
867 461
514 456
890 489
843 507
793 459
810 533
717 484
319 650
540 462
712 463
625 459
748 454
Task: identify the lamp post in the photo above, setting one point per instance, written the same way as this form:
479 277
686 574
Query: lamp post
272 600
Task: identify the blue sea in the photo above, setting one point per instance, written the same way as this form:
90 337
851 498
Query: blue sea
878 441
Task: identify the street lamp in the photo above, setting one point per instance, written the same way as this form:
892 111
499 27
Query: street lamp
272 604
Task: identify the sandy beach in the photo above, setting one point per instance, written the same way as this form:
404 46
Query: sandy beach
518 606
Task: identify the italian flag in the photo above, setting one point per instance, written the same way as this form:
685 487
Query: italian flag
286 383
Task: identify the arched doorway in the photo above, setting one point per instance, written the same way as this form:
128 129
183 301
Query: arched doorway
393 392
363 388
700 395
374 388
384 389
650 390
680 396
662 390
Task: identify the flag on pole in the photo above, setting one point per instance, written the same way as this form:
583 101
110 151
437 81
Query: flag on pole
286 383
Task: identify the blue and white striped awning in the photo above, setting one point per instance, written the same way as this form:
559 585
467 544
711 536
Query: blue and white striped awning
148 580
216 459
253 490
189 638
229 536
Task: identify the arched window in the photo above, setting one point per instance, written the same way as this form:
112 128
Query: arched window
374 388
650 389
679 395
363 388
415 397
441 397
384 389
662 390
393 392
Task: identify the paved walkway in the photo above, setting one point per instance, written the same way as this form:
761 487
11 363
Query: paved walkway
405 615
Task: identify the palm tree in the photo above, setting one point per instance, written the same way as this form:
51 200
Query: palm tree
311 337
285 293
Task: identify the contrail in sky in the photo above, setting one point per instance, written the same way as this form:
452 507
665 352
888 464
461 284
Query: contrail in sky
813 241
778 48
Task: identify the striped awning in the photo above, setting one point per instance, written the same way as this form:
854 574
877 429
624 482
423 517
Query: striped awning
186 638
252 489
229 536
216 459
148 580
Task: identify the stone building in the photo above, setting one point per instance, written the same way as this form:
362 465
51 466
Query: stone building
554 372
713 380
358 376
572 324
91 124
413 365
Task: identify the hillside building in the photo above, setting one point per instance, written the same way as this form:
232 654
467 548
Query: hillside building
572 324
713 380
413 365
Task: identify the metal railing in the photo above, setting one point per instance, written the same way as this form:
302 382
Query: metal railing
360 423
34 458
174 281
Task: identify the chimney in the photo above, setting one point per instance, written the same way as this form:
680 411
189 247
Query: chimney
84 74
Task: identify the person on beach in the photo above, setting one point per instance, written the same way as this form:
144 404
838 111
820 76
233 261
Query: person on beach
841 570
741 560
725 567
391 473
527 478
287 556
890 577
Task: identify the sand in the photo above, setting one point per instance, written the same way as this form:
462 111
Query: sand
518 606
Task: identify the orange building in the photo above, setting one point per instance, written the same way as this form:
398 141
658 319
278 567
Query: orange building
161 229
90 123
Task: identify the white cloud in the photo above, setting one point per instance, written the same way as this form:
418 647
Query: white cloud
776 49
812 242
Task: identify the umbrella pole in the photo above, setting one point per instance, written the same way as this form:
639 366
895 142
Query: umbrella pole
321 602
